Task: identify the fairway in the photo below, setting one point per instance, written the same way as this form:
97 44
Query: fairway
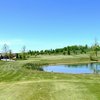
19 83
49 49
48 90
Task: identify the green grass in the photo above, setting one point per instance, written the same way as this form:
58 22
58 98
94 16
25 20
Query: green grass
50 90
61 59
20 83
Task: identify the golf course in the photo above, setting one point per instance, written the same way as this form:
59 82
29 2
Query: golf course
49 49
22 83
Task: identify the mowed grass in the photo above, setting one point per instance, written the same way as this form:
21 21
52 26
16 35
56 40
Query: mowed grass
19 83
50 90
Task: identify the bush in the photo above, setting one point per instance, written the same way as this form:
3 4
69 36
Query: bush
34 66
93 57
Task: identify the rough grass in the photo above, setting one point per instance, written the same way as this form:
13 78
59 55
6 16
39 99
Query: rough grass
61 59
20 83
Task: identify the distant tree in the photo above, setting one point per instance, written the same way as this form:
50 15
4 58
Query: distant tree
95 47
64 53
68 50
20 57
1 57
65 48
94 51
17 56
85 49
24 52
82 49
74 49
41 52
86 46
10 54
30 52
5 51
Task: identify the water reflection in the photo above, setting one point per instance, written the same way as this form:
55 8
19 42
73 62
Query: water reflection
74 69
95 67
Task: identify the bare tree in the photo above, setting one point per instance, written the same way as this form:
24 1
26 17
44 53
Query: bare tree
5 50
24 52
94 52
24 49
95 47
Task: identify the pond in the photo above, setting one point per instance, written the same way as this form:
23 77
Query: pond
74 69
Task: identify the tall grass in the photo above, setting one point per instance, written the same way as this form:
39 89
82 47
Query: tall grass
34 66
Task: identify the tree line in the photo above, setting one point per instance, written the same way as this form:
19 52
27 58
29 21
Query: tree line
8 54
68 50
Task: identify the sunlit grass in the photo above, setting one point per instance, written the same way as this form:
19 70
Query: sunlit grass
20 83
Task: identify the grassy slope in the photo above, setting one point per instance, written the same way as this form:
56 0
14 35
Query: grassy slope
17 83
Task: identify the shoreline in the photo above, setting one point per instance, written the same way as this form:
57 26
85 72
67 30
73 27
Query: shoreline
73 63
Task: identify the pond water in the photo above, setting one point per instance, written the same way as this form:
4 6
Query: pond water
74 69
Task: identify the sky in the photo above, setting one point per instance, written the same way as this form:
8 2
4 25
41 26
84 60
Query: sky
48 24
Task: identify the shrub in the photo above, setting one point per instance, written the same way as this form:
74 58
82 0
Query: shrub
34 66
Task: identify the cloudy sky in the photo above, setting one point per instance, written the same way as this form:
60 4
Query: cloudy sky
46 24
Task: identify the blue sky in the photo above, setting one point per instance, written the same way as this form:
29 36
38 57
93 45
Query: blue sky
46 24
